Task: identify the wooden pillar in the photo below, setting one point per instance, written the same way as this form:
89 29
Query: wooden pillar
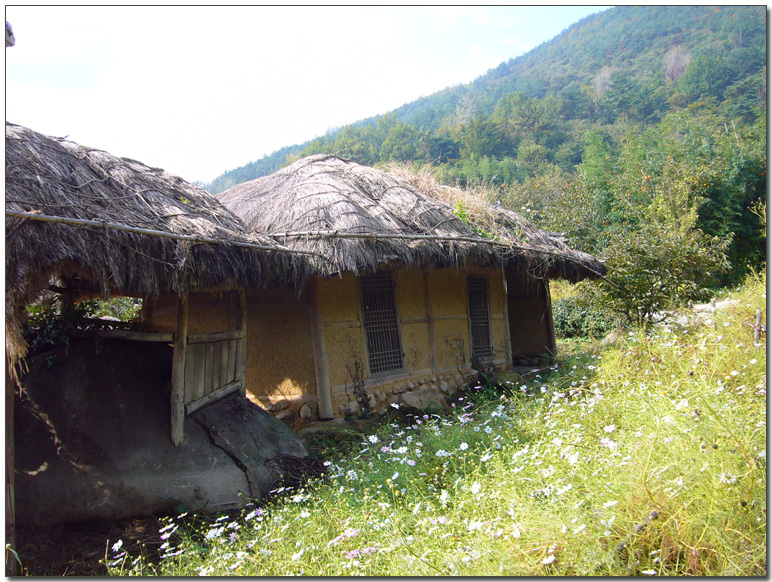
321 370
757 327
550 321
11 564
507 332
241 325
178 371
430 320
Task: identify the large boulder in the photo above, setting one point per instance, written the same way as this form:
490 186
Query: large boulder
424 400
92 438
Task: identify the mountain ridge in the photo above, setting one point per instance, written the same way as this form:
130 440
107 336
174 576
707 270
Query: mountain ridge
627 41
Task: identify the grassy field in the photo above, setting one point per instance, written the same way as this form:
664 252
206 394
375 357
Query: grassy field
647 457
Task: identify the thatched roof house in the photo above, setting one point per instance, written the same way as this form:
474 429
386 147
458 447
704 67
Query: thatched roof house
110 225
358 218
88 223
85 223
402 292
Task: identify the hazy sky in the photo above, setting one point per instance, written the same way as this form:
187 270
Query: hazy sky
201 90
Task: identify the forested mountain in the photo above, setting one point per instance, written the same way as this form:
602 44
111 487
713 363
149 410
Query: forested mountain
639 132
630 64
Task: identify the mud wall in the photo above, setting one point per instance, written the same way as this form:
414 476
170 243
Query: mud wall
432 311
280 357
285 346
207 312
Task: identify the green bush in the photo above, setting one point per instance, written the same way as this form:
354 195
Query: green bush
574 319
655 269
49 326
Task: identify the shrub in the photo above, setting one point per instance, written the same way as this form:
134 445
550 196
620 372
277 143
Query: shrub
49 326
657 268
575 319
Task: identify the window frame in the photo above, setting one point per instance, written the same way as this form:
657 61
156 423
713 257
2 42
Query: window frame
474 319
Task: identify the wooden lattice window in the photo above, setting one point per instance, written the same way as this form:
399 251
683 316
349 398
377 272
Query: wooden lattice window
384 348
479 319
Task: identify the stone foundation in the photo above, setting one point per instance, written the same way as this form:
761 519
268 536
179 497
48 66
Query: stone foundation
423 393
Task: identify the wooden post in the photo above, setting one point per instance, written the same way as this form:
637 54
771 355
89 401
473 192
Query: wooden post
430 320
178 371
241 325
757 328
550 321
321 371
11 565
506 315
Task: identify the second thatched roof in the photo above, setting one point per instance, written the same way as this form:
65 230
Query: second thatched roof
357 218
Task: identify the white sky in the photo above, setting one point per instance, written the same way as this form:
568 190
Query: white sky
200 90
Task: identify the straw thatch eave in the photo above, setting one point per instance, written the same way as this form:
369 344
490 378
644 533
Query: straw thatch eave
92 193
360 218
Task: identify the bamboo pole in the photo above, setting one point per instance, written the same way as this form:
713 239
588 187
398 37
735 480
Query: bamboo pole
397 236
436 237
146 231
178 372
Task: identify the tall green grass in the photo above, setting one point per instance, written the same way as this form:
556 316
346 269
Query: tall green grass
647 457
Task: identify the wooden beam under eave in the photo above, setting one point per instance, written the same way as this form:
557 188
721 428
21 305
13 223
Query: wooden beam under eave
178 371
321 369
241 325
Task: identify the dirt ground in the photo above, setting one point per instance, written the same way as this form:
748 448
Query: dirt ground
79 549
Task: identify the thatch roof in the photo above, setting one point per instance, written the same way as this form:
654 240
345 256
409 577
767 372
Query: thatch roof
94 194
358 218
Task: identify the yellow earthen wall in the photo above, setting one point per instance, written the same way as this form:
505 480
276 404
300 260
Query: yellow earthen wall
410 294
447 290
280 358
339 310
280 349
415 345
207 312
